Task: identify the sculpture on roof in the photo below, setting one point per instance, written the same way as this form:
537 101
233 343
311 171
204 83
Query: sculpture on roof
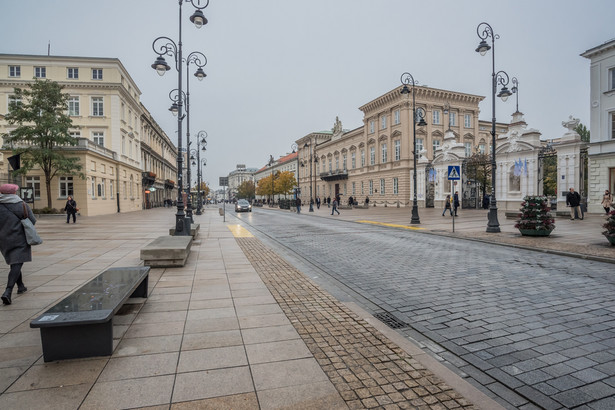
337 127
571 124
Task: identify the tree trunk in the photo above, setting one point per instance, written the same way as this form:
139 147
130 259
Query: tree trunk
48 186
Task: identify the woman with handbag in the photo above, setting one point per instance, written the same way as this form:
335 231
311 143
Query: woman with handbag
13 243
71 209
607 201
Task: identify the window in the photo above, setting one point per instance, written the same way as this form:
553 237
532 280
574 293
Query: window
131 187
40 72
123 113
371 187
13 100
613 125
419 146
72 73
66 186
362 188
452 118
468 147
372 155
435 146
362 157
612 78
123 145
99 138
467 120
92 165
35 184
93 187
97 74
337 163
111 188
73 106
435 116
97 106
125 196
382 186
383 122
396 114
101 188
353 160
354 191
330 165
397 150
371 126
344 162
481 148
383 149
14 71
395 186
75 134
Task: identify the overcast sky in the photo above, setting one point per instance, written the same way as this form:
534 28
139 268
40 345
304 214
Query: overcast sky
280 69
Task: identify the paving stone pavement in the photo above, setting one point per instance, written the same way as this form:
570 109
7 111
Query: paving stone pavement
535 329
367 369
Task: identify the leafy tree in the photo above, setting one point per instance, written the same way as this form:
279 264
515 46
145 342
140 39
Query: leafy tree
285 182
583 132
549 182
42 131
204 189
246 189
478 168
265 186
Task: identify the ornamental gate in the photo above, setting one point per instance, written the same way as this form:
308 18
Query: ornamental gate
430 185
547 171
469 188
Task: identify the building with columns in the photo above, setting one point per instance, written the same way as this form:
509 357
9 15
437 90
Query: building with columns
375 160
108 122
601 151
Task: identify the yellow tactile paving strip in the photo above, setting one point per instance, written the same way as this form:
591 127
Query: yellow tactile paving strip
414 228
239 231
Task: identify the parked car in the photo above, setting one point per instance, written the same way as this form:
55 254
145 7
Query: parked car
243 206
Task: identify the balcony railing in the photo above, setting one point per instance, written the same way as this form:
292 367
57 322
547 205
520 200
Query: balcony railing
336 175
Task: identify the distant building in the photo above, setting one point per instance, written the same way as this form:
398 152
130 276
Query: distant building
110 124
601 151
287 162
237 177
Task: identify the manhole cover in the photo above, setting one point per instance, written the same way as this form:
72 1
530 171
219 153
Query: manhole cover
390 320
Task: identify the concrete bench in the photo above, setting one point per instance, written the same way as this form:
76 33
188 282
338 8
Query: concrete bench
194 230
80 325
167 251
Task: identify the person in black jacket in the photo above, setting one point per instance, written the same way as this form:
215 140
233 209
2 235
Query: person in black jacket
71 209
573 200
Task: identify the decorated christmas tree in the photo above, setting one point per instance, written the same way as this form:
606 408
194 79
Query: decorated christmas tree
610 227
535 215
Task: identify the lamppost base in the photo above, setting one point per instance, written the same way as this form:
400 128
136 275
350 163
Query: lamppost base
415 215
311 208
493 225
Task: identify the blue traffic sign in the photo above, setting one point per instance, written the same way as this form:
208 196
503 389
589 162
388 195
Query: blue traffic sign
454 173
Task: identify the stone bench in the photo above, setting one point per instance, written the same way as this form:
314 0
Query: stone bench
194 230
80 325
167 251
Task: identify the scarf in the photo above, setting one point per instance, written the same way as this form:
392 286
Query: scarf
10 199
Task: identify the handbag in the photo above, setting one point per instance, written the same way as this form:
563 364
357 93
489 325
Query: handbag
31 235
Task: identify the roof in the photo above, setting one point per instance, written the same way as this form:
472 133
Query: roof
602 48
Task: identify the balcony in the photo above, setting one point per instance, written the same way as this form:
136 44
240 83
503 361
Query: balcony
148 178
169 183
336 175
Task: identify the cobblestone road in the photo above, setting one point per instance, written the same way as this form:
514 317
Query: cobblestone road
535 330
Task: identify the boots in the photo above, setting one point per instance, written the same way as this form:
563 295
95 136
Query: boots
6 296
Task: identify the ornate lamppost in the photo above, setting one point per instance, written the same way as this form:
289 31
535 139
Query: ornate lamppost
165 46
515 90
270 163
202 143
485 31
311 159
407 79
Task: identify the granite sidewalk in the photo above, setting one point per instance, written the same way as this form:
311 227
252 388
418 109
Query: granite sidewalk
237 327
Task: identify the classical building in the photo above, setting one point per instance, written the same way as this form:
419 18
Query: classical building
107 120
375 160
237 177
286 162
159 160
601 149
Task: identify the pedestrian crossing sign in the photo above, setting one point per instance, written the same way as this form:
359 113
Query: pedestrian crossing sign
453 173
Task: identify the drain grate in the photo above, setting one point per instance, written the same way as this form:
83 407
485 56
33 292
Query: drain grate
390 320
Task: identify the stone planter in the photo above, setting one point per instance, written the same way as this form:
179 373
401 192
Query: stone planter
610 237
535 232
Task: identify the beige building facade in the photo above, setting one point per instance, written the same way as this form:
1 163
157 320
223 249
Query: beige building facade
108 121
375 161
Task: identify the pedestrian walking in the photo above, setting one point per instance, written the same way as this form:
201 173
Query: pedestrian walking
366 201
13 243
573 200
486 201
351 201
335 204
456 201
71 209
607 201
298 205
328 202
318 202
447 205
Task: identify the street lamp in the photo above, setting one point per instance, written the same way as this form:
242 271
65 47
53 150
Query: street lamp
165 46
202 143
485 31
311 159
515 90
271 162
407 79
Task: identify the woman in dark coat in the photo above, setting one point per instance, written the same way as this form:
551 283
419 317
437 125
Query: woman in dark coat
13 244
71 209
